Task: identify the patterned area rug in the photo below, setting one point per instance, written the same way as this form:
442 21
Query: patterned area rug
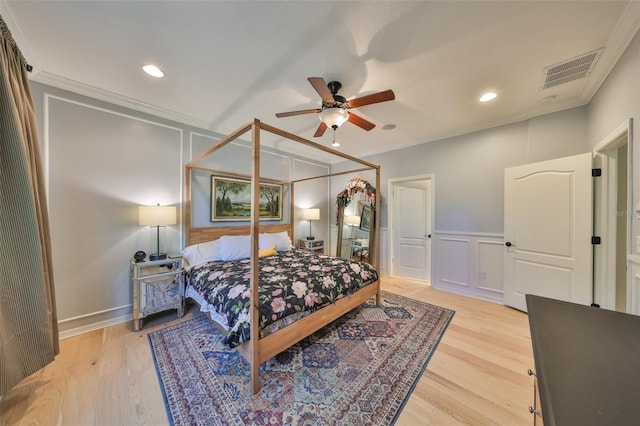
358 370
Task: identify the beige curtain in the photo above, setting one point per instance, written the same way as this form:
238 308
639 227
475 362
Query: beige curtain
28 323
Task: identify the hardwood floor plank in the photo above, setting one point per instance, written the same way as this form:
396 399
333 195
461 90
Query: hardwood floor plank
477 375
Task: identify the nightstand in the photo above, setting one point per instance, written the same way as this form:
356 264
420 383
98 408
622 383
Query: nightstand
312 245
157 286
359 251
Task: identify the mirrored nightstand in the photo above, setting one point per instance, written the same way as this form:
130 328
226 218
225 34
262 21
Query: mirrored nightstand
157 286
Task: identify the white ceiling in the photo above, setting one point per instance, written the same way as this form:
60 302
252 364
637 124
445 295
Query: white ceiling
227 62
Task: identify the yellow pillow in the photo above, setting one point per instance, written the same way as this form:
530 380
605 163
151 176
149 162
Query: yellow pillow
269 251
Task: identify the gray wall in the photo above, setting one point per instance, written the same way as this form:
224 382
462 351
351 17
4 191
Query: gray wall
102 161
469 169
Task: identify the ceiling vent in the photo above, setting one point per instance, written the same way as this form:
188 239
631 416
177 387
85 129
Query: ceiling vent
572 69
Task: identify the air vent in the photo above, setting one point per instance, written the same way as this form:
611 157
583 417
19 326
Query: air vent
570 70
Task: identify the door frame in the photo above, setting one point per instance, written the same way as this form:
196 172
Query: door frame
391 184
605 197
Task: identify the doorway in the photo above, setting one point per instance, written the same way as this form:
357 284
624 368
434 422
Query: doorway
612 219
411 206
547 257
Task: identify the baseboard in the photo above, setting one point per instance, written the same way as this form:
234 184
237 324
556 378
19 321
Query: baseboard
70 327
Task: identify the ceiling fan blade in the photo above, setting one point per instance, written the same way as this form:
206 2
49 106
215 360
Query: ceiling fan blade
374 98
321 129
300 112
320 85
361 122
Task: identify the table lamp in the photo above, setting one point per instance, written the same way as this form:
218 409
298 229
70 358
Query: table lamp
352 221
157 216
310 214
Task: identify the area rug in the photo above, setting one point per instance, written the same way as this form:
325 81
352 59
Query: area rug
358 370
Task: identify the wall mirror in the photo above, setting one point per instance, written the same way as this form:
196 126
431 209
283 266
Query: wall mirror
355 220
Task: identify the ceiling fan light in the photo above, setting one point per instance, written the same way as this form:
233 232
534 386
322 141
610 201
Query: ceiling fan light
334 116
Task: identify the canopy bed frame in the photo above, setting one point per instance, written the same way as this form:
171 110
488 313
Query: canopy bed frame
258 350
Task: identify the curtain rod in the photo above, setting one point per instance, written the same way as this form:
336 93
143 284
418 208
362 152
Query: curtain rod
6 35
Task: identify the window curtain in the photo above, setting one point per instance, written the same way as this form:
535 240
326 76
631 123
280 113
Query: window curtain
28 322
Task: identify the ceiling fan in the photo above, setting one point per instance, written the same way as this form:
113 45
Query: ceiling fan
335 108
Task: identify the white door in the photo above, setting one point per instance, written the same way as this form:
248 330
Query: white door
411 230
548 226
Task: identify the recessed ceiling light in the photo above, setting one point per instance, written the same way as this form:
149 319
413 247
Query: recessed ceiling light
489 96
153 70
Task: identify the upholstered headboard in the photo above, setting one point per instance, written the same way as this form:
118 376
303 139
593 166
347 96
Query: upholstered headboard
201 235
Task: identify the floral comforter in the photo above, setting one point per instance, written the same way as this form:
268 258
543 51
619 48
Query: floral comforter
292 282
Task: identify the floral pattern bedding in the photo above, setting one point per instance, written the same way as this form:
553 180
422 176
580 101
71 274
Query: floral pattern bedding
291 282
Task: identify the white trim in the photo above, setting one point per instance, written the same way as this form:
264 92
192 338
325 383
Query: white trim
57 81
180 131
94 326
623 33
604 261
473 278
95 323
94 313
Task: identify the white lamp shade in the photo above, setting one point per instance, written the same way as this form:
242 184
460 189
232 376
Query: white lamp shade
334 116
310 214
352 220
157 215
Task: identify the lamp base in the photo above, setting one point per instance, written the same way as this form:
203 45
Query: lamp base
157 256
310 238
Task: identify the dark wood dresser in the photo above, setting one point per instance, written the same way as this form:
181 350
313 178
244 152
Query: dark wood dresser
587 363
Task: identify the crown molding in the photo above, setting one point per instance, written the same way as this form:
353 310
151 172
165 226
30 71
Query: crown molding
620 38
116 99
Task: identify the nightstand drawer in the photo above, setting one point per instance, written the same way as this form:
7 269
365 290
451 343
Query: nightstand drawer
315 245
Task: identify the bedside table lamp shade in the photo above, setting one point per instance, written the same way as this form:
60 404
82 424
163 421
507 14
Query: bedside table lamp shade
310 214
157 216
352 220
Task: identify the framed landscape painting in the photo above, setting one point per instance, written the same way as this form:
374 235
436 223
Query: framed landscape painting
231 200
366 218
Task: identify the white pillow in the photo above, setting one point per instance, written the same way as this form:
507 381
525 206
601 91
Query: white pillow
279 239
201 253
234 247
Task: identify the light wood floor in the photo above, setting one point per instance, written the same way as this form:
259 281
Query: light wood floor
477 375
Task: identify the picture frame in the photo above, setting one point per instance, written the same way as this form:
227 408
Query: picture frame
366 218
231 200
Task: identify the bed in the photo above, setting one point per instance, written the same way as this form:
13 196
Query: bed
254 335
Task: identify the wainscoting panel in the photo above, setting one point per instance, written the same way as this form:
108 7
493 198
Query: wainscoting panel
469 264
490 255
454 261
633 295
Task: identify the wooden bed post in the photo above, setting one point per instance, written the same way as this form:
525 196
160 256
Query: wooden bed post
292 211
187 205
340 213
258 350
376 237
255 233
